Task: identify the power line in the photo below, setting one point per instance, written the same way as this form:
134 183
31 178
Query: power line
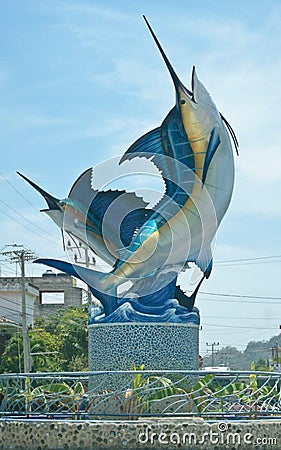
241 318
8 300
23 217
239 345
20 193
24 226
217 294
241 296
238 326
211 333
9 309
7 268
247 263
247 259
241 301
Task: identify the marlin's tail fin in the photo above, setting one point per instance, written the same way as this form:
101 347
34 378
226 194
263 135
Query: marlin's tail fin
187 301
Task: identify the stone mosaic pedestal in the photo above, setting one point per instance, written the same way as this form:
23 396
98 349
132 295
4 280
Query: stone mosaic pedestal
158 346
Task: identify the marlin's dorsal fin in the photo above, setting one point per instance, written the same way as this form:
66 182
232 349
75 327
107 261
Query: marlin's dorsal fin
81 191
147 145
200 93
170 151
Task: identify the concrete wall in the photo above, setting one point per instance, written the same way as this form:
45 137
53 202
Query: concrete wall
10 299
11 302
73 295
141 435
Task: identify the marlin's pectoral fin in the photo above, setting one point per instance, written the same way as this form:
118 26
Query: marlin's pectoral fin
214 142
139 237
132 222
124 253
89 276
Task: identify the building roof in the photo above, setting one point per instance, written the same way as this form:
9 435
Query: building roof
4 322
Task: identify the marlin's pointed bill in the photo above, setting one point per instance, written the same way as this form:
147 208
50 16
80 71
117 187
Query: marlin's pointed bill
173 74
52 202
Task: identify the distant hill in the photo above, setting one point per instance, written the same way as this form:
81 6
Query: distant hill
258 351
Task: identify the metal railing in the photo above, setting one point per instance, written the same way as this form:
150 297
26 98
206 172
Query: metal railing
141 393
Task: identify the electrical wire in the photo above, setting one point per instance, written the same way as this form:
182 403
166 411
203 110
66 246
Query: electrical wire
247 263
27 220
240 301
20 215
15 303
20 193
240 318
210 333
24 226
230 345
7 268
238 326
11 301
240 295
10 309
247 259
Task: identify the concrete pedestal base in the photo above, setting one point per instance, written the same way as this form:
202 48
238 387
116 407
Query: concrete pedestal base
158 346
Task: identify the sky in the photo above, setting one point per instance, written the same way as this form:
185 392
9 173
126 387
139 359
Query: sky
80 81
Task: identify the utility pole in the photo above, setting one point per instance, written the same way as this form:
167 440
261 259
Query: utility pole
87 261
21 254
213 345
275 356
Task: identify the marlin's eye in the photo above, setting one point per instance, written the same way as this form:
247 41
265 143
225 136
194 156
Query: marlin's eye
182 101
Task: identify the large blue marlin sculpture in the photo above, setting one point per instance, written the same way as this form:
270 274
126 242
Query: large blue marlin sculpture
192 149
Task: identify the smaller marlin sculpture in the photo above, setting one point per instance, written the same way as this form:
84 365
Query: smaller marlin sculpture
150 247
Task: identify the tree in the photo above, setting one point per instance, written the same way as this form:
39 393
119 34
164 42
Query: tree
261 364
71 328
60 343
40 342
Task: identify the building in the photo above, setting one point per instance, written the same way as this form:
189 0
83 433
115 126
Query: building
44 295
11 303
56 291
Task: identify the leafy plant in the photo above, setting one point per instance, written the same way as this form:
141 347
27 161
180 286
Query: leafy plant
147 389
57 343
